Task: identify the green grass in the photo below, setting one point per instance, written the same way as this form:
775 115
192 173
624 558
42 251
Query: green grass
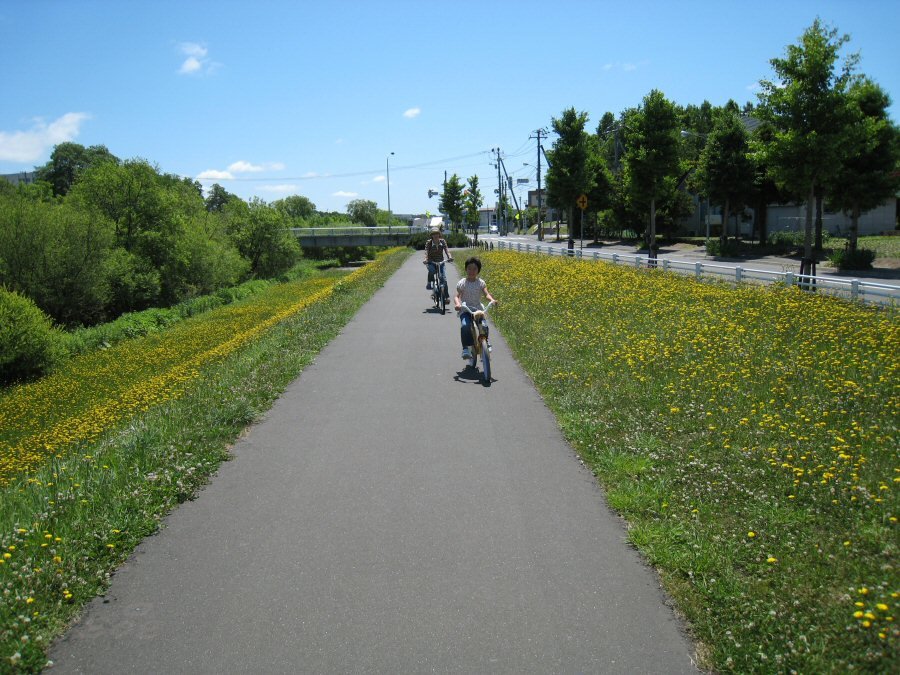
747 435
884 247
68 525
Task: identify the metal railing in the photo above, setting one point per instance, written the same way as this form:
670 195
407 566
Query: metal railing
354 231
855 289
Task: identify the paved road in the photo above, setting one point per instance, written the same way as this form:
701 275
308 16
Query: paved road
389 515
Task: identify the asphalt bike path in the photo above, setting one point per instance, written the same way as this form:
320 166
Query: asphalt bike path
389 514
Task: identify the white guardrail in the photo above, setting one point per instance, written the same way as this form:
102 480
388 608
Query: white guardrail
856 289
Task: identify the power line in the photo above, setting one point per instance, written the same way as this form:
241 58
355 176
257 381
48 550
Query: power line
429 164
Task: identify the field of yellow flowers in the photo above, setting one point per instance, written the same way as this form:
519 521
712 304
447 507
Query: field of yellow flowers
94 455
747 434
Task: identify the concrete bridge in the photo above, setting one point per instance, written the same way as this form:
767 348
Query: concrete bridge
395 235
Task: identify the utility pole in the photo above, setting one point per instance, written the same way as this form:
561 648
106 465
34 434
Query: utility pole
499 193
540 196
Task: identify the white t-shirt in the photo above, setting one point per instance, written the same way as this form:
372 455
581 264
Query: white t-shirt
471 291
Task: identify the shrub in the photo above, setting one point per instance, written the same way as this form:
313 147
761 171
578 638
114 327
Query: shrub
29 344
845 259
730 249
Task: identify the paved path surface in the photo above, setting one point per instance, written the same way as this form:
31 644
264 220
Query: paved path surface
389 515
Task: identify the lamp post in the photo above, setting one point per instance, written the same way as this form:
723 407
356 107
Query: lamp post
388 165
686 134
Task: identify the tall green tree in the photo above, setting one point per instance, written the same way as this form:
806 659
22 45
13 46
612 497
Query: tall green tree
68 161
472 201
54 253
363 211
725 172
217 198
569 175
295 207
265 240
869 173
807 109
651 156
600 194
451 201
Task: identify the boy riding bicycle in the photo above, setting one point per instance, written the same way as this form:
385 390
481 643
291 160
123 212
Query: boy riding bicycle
469 291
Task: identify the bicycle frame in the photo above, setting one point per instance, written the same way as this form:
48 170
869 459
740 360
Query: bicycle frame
480 338
440 291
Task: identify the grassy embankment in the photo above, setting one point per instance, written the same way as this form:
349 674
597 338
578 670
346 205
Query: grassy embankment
749 437
94 455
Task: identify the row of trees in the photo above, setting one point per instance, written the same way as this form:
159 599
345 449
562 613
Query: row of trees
461 201
95 236
818 134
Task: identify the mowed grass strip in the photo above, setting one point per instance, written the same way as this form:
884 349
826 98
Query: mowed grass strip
749 437
67 524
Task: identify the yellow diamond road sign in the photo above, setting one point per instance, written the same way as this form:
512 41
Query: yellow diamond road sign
582 202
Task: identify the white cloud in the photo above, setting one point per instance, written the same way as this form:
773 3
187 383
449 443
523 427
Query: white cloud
215 174
379 179
754 87
625 67
197 61
246 167
339 141
33 145
281 189
412 113
193 49
191 65
343 193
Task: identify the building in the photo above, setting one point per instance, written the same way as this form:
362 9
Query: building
23 177
788 218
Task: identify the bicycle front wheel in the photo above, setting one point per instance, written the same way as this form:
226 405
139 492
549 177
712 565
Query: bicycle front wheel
442 302
486 362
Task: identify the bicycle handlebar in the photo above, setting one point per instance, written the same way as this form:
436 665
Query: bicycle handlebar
464 307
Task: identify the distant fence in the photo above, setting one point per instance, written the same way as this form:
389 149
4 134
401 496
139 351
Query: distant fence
855 289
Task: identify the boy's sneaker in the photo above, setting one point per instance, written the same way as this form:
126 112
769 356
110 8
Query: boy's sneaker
489 347
466 353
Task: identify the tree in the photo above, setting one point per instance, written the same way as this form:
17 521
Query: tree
600 194
295 207
472 202
68 161
451 201
217 198
55 253
568 176
363 211
725 172
809 117
868 175
266 242
651 157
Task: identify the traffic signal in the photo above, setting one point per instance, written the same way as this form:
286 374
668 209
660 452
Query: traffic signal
432 193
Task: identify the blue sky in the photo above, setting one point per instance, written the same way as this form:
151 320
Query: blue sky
272 98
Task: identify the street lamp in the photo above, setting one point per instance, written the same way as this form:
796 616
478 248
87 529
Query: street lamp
388 165
686 134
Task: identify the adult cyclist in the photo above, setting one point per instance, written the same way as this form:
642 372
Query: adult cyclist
435 250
